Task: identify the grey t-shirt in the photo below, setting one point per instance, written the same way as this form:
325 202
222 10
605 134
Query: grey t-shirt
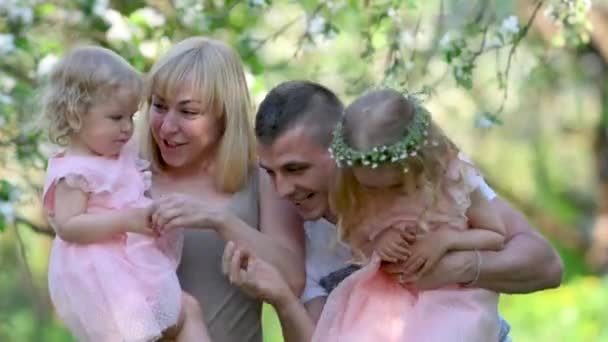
230 315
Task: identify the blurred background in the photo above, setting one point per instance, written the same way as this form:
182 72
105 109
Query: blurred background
521 86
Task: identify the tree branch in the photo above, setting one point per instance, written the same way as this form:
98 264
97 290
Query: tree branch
520 37
45 230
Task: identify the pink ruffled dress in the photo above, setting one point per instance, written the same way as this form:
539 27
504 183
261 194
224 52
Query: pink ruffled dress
371 306
122 289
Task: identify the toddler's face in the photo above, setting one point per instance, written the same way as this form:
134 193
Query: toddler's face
383 176
108 124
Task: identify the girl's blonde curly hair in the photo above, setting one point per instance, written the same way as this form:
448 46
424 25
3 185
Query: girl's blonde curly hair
85 75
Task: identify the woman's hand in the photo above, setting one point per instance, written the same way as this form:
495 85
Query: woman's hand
255 276
184 211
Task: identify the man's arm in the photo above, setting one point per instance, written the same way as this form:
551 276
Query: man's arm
314 307
527 263
262 280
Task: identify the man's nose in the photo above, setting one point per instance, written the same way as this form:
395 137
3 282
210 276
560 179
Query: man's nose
284 187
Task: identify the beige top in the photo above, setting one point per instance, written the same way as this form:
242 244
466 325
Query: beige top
230 315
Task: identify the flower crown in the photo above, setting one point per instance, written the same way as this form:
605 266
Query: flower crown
407 147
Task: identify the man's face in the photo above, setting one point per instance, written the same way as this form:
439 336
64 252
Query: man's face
301 171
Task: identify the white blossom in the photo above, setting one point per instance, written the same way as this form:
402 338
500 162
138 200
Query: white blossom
119 29
391 13
510 25
20 13
483 122
586 4
46 64
100 7
493 43
5 99
316 25
7 210
7 43
445 40
407 38
7 83
153 18
149 49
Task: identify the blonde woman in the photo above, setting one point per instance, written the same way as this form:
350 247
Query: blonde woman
198 137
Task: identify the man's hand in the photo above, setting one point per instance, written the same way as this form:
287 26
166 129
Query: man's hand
254 276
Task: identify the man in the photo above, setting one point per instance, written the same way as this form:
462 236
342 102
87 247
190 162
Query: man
294 127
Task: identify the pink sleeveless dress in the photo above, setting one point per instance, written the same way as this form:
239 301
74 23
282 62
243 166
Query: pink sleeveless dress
371 306
122 289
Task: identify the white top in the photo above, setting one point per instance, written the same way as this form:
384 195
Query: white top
325 255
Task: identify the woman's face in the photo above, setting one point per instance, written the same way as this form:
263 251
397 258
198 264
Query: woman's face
185 132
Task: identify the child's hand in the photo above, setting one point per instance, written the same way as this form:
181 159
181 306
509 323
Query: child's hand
426 252
393 244
180 210
141 221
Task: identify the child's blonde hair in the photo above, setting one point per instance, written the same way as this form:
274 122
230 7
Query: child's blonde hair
85 75
382 118
216 73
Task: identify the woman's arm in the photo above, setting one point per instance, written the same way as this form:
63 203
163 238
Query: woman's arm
73 224
279 241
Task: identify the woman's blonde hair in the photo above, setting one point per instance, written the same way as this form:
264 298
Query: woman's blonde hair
85 75
382 118
216 72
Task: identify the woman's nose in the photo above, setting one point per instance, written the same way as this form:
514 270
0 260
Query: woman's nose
169 124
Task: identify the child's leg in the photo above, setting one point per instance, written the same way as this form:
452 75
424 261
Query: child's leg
192 326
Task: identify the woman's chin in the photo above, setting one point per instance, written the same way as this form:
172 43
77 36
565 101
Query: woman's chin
173 160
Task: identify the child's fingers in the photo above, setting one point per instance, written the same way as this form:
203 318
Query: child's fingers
402 242
235 268
414 266
409 236
399 251
227 257
385 256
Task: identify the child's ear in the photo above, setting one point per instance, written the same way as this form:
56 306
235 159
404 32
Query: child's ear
73 120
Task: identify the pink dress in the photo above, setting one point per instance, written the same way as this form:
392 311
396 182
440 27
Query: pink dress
371 306
122 289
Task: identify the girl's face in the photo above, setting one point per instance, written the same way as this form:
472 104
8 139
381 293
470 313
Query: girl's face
186 133
108 124
383 176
